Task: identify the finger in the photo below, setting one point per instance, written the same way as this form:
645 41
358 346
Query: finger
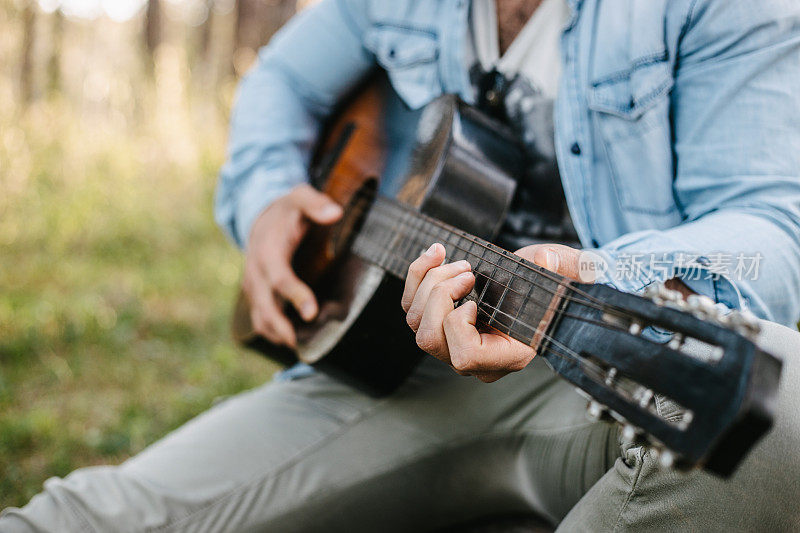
479 353
317 206
287 285
268 320
430 333
557 258
434 276
490 377
432 257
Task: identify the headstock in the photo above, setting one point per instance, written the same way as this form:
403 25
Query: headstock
680 376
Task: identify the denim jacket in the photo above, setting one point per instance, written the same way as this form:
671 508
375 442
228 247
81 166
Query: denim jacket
677 128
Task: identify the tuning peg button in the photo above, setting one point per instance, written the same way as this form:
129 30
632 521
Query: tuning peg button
645 399
667 459
745 322
629 433
702 304
595 410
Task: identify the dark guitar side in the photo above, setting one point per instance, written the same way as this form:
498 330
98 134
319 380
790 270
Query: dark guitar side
457 174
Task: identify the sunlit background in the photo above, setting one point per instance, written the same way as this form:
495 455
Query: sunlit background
115 286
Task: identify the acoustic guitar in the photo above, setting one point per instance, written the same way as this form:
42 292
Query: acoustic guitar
407 179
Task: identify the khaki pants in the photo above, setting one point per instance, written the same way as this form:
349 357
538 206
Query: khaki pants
312 455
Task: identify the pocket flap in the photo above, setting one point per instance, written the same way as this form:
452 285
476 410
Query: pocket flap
630 93
397 47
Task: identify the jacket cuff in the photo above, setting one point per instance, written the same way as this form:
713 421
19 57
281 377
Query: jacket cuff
264 187
631 273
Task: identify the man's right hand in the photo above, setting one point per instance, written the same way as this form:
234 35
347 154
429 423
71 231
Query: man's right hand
269 280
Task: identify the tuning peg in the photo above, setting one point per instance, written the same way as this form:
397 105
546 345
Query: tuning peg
686 420
645 398
611 375
661 295
675 342
629 433
702 304
667 459
595 411
745 322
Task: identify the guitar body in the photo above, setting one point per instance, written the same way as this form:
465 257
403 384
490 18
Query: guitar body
445 161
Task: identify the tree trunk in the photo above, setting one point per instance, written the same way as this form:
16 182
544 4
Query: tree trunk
54 62
256 22
152 28
26 59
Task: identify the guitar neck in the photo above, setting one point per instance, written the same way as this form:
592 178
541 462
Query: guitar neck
513 295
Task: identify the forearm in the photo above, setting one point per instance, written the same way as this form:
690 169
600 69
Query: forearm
739 257
280 104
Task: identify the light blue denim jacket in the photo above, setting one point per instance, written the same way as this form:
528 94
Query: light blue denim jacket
677 127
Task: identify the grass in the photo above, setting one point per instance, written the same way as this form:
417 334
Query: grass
115 285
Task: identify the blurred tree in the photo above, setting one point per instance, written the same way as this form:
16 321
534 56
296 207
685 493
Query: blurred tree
54 62
26 59
152 27
206 32
256 22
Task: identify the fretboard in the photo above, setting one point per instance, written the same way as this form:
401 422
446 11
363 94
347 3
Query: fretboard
513 296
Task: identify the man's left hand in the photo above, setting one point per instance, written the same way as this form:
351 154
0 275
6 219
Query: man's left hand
449 333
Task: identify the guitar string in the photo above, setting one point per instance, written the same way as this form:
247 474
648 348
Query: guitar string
388 202
568 297
527 299
515 320
381 202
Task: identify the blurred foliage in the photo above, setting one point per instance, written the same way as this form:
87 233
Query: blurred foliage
115 285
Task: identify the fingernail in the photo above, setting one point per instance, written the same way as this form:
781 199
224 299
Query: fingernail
330 211
308 310
464 276
463 264
431 251
552 260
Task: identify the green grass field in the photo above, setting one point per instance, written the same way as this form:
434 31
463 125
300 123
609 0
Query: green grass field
115 285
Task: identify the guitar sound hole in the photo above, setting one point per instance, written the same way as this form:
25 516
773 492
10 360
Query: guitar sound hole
354 214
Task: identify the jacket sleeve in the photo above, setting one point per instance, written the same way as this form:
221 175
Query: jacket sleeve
316 58
736 120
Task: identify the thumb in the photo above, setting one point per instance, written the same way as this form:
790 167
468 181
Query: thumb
555 257
317 206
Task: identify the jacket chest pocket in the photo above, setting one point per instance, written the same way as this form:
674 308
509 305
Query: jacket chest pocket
629 95
409 56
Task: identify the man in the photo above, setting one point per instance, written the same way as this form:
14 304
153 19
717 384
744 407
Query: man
676 132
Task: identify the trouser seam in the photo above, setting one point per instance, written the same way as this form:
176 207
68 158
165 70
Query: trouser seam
79 516
276 471
631 493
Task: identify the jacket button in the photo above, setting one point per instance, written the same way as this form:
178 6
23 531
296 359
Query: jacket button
575 149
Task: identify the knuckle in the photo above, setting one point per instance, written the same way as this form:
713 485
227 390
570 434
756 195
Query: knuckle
516 366
427 340
412 319
451 319
282 279
415 268
459 361
262 325
440 289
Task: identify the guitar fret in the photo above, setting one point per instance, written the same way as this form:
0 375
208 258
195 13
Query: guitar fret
483 292
516 321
